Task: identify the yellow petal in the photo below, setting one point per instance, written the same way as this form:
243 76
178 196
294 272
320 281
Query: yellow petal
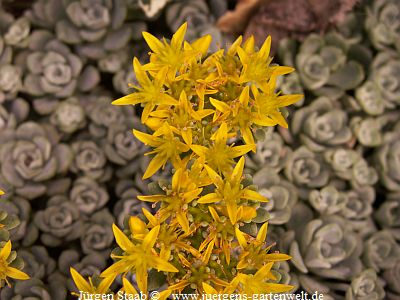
265 48
221 106
202 44
282 70
132 99
238 170
204 113
160 113
160 77
148 108
151 237
232 212
162 265
183 221
248 213
145 138
200 90
141 278
247 136
164 295
199 150
252 195
221 135
209 238
241 239
216 179
210 198
208 289
242 150
191 195
277 116
244 96
6 250
214 214
105 284
137 226
16 274
276 287
179 35
248 45
154 43
177 179
187 135
263 271
80 282
128 287
244 58
242 264
155 164
184 261
152 198
118 267
227 252
166 99
262 233
277 257
287 100
122 240
263 121
207 253
141 75
153 123
150 217
232 49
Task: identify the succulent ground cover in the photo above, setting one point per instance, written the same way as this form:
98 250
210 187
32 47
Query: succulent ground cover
70 166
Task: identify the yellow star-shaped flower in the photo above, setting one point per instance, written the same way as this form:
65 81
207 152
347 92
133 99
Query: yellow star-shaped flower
137 257
229 191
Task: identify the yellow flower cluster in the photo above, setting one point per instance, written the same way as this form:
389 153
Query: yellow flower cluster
201 110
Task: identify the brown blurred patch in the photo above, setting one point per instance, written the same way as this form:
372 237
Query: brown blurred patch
283 18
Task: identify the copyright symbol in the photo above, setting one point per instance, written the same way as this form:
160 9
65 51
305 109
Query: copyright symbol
154 295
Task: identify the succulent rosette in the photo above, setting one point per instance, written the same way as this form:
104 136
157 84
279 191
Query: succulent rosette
380 250
281 195
385 70
387 215
88 195
68 116
387 162
59 222
31 155
97 235
52 69
271 152
392 276
306 170
321 125
95 27
199 18
382 23
328 65
90 160
329 249
365 286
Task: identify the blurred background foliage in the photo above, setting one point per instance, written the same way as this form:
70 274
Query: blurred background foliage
71 167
